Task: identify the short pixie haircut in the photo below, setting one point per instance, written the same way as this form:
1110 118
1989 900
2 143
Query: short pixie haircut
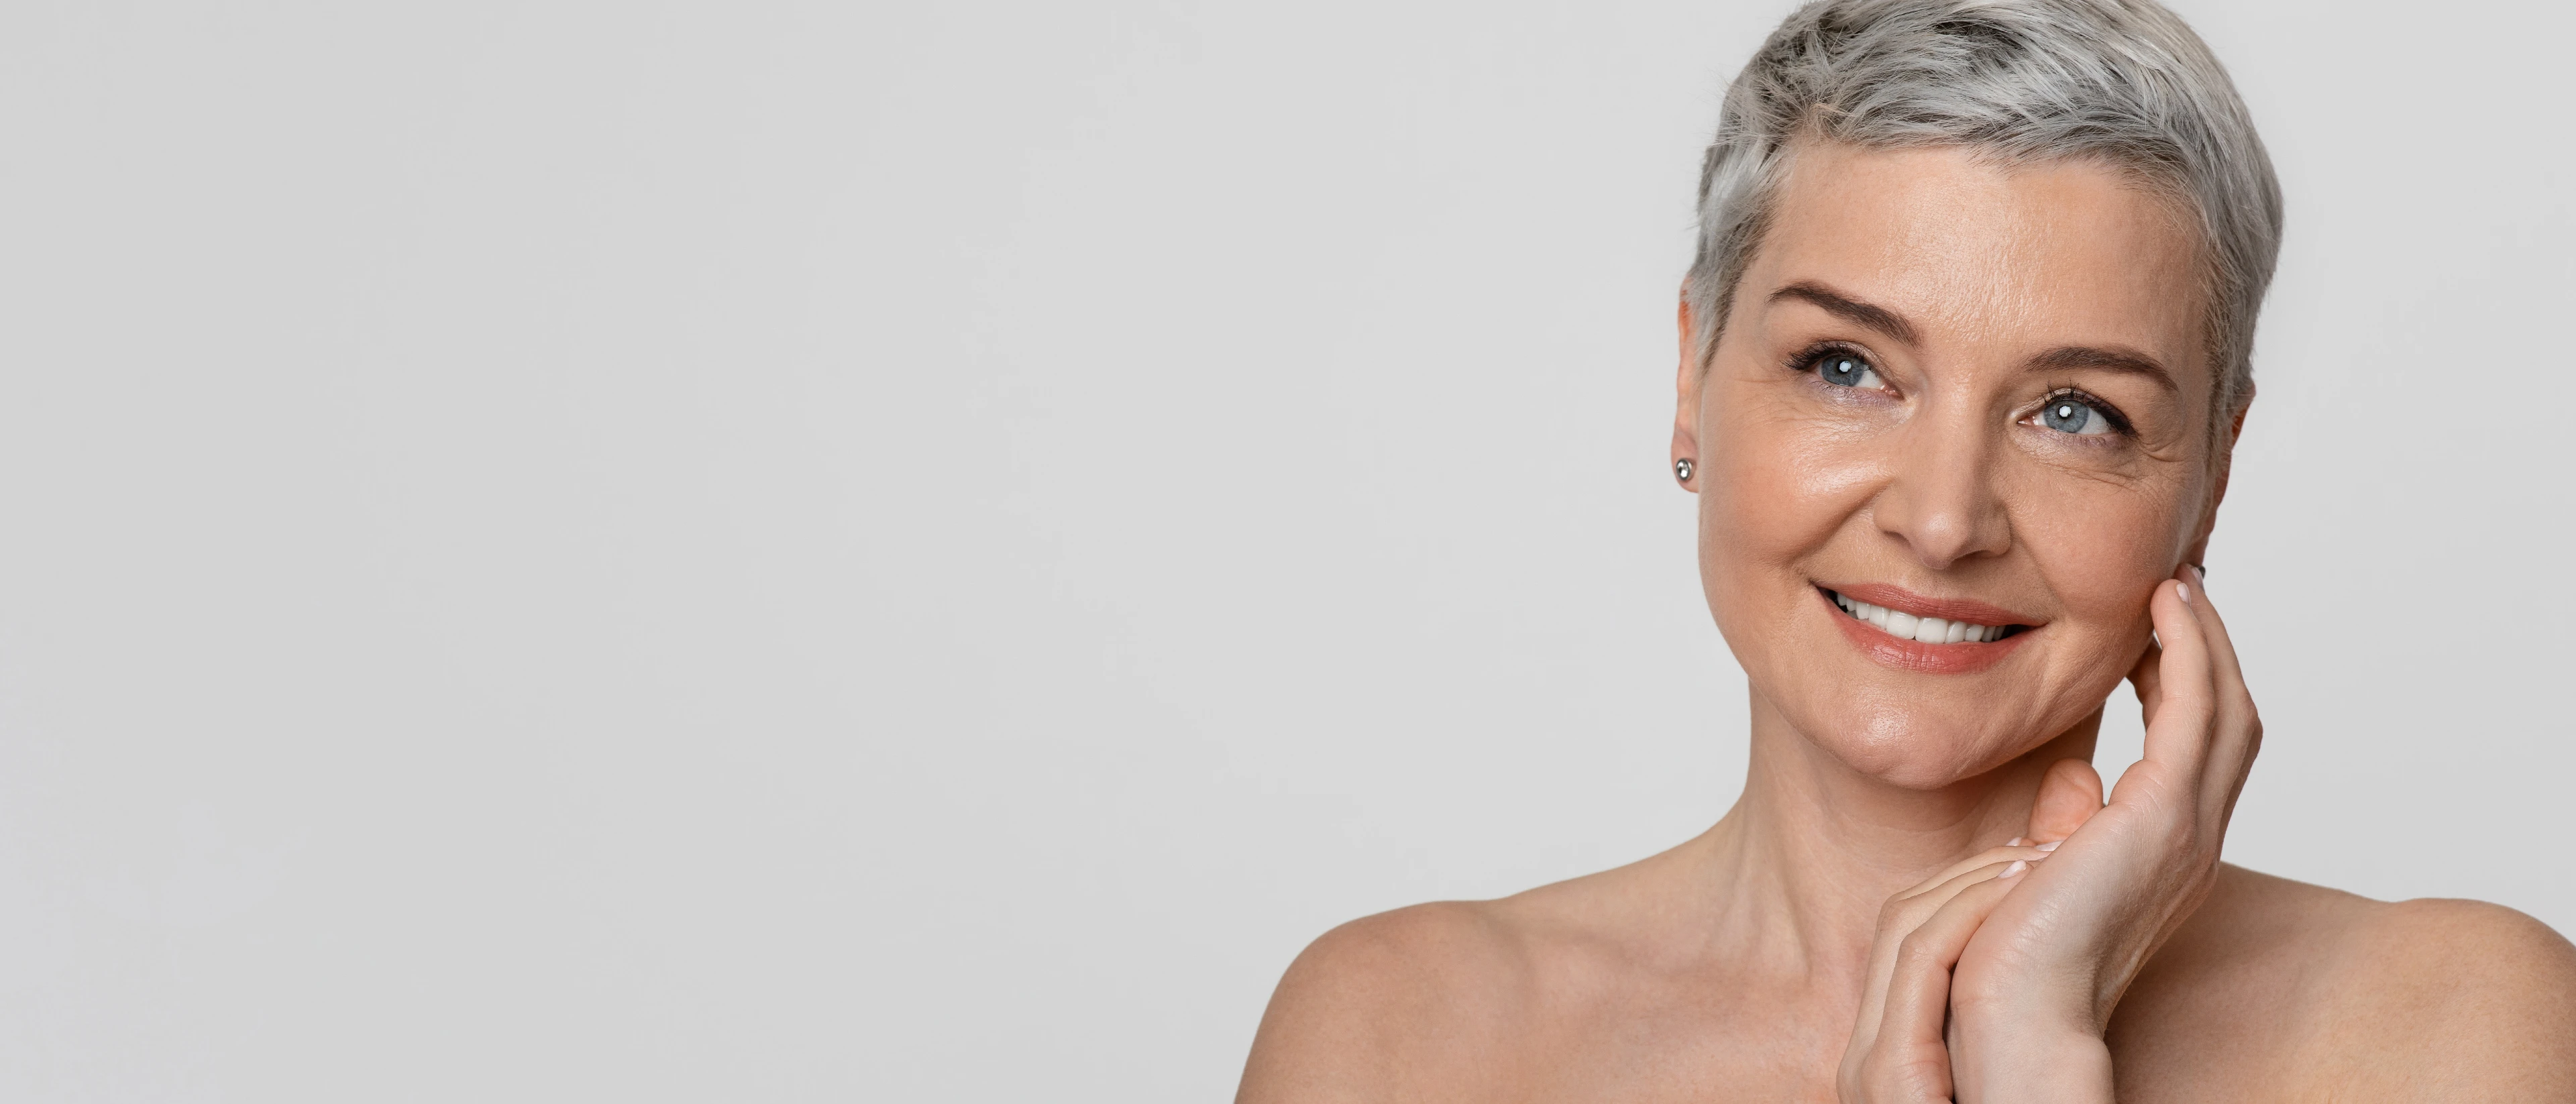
2123 82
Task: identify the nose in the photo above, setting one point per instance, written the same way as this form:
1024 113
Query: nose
1942 500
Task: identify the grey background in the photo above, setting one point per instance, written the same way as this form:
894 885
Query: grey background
754 551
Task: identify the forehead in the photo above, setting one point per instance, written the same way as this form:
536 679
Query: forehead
1991 258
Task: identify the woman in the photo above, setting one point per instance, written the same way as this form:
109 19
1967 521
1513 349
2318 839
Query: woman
1963 355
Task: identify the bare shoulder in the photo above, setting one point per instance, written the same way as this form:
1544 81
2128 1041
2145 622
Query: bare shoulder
1436 1001
2313 991
1389 1003
2442 999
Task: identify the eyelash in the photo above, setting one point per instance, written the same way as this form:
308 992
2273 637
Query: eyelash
2119 422
1804 361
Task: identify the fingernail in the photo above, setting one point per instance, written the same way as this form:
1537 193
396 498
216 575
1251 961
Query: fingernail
2016 842
2050 845
2183 589
2017 867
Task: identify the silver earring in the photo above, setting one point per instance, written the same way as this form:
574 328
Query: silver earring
1682 469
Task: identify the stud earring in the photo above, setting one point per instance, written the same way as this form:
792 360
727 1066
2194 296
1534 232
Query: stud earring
1682 469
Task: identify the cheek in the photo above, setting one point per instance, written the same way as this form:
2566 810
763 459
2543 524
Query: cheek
1779 485
2104 547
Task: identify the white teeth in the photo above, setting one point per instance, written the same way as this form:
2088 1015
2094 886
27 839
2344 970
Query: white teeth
1929 630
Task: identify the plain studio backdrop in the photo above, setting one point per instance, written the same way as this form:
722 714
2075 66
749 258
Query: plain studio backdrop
762 552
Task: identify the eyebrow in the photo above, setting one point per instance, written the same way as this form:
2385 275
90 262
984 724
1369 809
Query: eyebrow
1849 309
2063 358
2125 361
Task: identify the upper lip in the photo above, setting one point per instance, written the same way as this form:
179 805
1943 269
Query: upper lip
1949 609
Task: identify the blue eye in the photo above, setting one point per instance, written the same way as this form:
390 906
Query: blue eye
2067 415
1846 370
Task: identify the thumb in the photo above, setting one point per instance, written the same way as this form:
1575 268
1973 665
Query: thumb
2069 795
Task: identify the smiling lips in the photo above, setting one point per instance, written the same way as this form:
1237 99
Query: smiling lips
1909 632
1929 630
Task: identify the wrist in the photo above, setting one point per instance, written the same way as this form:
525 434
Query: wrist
2031 1062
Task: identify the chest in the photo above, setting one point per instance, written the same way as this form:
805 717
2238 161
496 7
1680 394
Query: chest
2197 1039
1698 1043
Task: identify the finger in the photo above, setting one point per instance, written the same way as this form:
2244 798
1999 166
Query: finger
2222 651
2143 678
2186 692
1948 878
2239 730
2069 794
1907 911
1918 995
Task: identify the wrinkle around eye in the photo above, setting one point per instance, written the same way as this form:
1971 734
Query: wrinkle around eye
2126 462
2162 425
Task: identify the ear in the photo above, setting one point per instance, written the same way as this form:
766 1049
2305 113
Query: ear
2198 551
1686 381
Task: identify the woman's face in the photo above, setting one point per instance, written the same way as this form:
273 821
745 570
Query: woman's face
1953 391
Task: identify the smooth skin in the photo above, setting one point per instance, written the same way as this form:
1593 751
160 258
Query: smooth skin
1921 894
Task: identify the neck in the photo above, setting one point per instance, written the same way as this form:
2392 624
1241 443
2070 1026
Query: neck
1814 848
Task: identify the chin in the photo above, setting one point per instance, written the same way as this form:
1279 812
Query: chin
1917 752
1912 744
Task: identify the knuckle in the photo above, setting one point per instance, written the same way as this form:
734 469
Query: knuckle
1881 1080
1872 1070
1915 950
1897 915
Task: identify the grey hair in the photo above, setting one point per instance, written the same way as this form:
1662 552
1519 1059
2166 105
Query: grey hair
2124 82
